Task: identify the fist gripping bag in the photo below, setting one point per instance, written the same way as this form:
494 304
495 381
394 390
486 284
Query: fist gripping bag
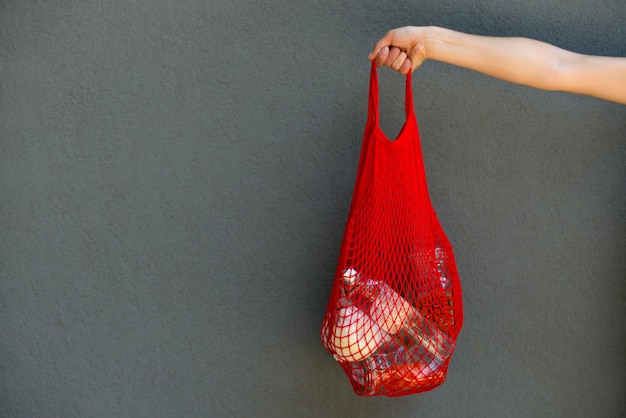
395 308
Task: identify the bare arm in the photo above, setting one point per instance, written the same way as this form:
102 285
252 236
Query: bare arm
517 60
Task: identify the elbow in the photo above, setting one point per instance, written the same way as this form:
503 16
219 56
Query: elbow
559 69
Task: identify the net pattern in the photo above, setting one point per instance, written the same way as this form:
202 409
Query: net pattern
395 309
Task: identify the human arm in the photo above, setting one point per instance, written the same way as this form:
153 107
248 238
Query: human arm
517 60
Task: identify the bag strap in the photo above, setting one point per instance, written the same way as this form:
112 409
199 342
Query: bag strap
373 97
412 134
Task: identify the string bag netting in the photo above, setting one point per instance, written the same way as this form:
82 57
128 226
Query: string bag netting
395 308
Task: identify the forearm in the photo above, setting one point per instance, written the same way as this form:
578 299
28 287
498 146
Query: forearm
517 60
531 63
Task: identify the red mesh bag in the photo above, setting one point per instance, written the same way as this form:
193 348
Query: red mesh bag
395 307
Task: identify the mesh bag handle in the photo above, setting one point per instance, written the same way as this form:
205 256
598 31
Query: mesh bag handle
395 308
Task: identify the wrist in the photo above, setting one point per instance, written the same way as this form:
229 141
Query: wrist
433 39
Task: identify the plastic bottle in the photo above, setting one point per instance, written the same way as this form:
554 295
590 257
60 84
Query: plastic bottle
440 260
395 315
361 344
385 342
355 336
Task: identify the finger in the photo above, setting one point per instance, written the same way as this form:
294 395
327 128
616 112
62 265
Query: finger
385 41
382 56
399 61
375 53
394 52
406 66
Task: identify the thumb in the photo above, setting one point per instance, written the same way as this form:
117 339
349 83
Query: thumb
385 41
380 56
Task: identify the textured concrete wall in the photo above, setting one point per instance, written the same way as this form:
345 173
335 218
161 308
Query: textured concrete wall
175 178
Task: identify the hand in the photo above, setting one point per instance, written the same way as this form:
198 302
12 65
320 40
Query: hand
403 49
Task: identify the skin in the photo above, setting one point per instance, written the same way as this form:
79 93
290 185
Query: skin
516 60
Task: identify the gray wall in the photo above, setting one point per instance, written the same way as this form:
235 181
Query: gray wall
175 178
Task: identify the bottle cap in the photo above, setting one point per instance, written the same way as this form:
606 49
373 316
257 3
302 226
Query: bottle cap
350 277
